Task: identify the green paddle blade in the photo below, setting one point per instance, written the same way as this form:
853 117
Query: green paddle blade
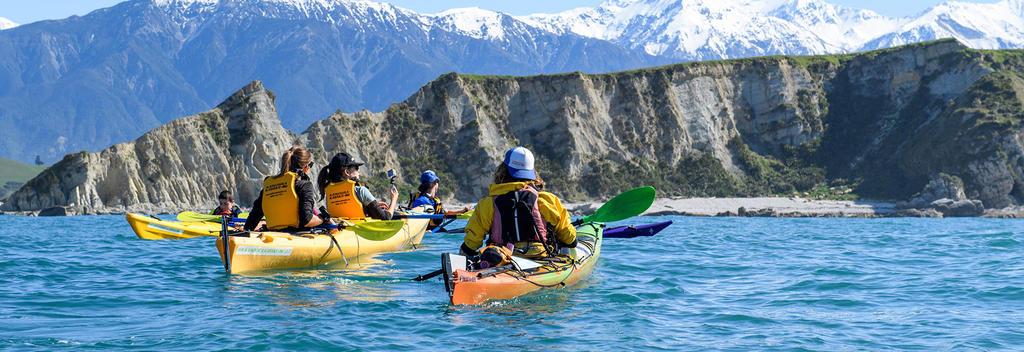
465 215
194 216
623 206
377 230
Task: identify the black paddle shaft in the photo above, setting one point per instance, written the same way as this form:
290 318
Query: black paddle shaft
428 276
227 251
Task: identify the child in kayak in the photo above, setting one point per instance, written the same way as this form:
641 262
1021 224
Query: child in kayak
227 206
427 197
517 214
288 199
346 197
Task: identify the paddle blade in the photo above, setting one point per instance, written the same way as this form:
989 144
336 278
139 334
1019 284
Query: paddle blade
377 230
194 216
465 215
636 230
623 206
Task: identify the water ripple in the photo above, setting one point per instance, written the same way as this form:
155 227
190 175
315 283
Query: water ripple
702 284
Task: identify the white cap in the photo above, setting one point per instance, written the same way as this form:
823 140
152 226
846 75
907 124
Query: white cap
520 163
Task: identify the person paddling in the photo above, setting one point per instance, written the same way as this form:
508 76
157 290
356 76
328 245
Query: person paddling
427 198
517 215
288 200
346 196
227 206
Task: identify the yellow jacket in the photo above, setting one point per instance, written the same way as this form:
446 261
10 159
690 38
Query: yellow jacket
551 209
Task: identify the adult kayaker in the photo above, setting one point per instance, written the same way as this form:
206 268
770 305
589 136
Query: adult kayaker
288 200
346 196
517 214
227 205
427 197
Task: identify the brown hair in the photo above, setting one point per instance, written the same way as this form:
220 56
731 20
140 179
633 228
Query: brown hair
226 195
294 159
501 175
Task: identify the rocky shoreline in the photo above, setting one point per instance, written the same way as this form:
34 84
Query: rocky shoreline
740 207
800 207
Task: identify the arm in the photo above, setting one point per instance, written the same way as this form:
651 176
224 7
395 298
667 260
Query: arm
373 210
394 202
307 204
555 214
478 226
256 214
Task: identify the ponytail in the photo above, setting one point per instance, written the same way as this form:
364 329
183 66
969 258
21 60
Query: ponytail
295 158
323 179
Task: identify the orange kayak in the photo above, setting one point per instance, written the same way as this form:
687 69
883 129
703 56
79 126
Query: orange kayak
467 286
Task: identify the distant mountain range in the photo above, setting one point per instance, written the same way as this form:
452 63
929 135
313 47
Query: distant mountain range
91 81
718 29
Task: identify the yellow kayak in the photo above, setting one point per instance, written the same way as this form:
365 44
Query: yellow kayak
249 251
155 229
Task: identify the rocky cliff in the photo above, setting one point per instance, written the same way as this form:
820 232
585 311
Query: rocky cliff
181 165
883 122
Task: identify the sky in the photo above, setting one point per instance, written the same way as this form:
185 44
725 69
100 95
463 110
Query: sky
22 11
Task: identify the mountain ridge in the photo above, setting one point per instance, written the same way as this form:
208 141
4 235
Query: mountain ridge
113 74
887 123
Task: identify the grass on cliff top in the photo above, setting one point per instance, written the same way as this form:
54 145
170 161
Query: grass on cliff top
16 171
999 56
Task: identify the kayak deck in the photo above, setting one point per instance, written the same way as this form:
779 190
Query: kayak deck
151 228
478 286
251 251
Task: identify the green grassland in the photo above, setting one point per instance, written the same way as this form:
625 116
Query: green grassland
14 173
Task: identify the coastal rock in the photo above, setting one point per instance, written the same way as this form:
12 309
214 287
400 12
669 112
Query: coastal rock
915 213
54 211
958 208
179 166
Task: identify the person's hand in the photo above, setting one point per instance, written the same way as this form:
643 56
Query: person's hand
466 209
394 192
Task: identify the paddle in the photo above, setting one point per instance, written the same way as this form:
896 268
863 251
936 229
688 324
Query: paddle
375 230
424 216
623 206
633 231
224 236
194 216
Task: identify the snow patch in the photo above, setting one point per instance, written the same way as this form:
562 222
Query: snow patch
6 24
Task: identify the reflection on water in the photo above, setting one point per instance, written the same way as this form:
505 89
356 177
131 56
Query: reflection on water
364 279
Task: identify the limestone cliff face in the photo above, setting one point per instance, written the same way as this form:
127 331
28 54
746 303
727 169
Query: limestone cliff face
462 124
182 165
774 124
885 122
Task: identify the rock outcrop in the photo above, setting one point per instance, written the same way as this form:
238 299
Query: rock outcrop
884 122
181 165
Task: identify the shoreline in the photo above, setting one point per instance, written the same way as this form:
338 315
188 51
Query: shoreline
790 207
706 207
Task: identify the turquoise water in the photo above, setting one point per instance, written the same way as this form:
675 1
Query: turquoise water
702 284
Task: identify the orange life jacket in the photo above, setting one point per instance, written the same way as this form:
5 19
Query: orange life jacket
342 201
281 201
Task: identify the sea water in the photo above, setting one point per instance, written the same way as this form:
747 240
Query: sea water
737 284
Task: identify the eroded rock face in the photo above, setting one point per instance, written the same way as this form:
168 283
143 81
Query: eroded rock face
891 118
182 165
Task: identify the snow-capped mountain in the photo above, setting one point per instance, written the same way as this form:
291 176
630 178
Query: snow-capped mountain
117 72
982 26
716 29
112 74
6 24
